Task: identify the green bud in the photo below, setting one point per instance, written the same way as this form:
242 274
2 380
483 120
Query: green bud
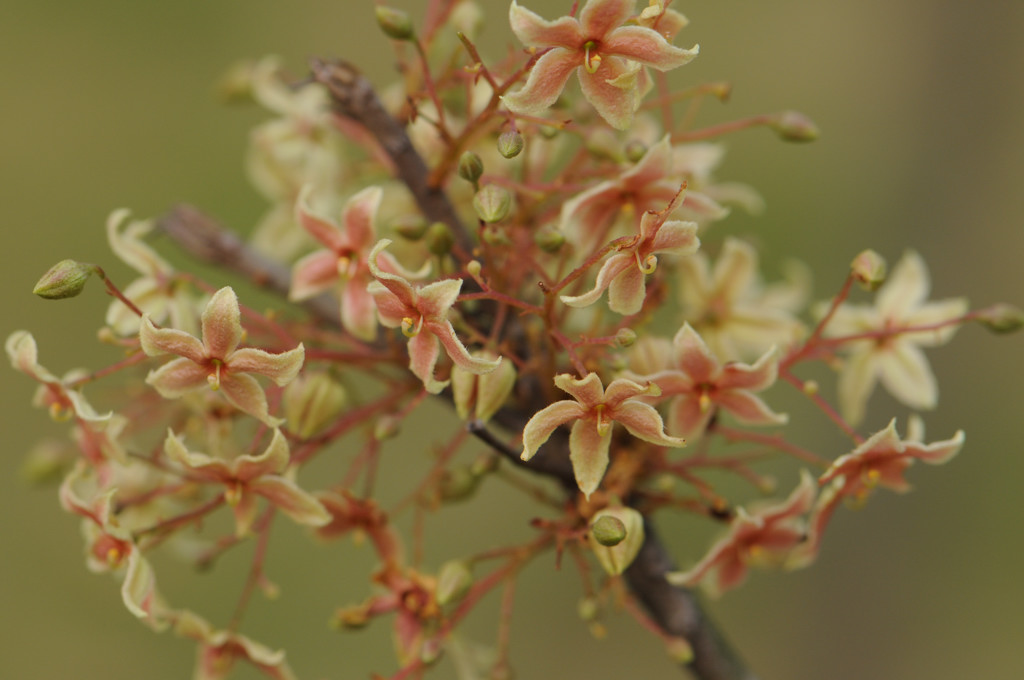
492 203
439 239
387 427
869 270
794 126
395 23
66 279
485 464
510 143
588 608
625 337
457 484
471 168
453 580
311 401
635 150
1001 318
549 239
410 227
608 530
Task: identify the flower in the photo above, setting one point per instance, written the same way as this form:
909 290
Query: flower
605 55
624 274
699 384
157 291
422 314
734 313
878 462
247 476
220 649
893 355
344 264
594 410
763 536
216 360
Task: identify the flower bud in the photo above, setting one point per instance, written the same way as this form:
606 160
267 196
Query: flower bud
410 227
608 531
386 427
473 268
492 203
311 401
588 608
869 270
510 143
485 464
549 239
484 394
625 337
395 23
635 150
439 239
471 168
66 279
615 558
794 126
453 580
457 484
1001 318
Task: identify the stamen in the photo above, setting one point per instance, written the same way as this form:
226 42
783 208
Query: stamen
214 378
591 62
410 328
604 424
648 265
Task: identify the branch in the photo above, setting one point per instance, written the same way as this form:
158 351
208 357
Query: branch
353 96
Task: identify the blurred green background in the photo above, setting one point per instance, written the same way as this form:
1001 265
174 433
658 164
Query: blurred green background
109 103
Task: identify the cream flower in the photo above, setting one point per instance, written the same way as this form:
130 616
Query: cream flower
594 410
216 361
605 55
891 355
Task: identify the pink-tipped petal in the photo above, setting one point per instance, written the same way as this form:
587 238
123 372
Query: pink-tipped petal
424 350
644 422
138 592
937 453
599 17
281 368
178 377
292 500
612 91
694 357
313 274
755 378
647 47
535 31
246 395
627 291
613 267
358 215
222 324
272 461
435 299
321 229
749 409
674 236
588 451
588 391
687 418
457 352
621 389
390 309
539 428
545 83
156 341
358 311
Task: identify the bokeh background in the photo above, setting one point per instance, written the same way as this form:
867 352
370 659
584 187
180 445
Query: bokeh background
109 103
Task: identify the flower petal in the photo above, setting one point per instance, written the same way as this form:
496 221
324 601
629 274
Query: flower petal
539 428
588 391
599 17
614 266
612 90
627 291
905 288
272 461
748 409
246 395
647 47
178 377
358 311
281 368
588 451
358 215
222 324
856 382
693 357
292 500
156 341
644 422
545 83
905 372
313 274
457 352
535 31
424 349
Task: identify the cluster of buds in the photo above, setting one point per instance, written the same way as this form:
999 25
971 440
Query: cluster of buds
492 238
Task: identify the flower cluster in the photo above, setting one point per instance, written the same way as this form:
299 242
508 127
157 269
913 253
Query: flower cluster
485 240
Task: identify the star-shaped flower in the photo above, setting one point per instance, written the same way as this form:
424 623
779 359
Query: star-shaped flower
879 462
219 650
216 361
624 274
594 411
737 316
893 357
699 384
422 314
763 536
344 262
247 477
605 55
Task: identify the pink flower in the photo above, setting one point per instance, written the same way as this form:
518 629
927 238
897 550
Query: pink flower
422 314
879 462
344 262
594 410
605 55
763 536
216 360
247 477
220 649
624 274
699 384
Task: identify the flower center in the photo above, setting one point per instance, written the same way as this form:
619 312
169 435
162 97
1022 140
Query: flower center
591 59
604 423
411 328
214 377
